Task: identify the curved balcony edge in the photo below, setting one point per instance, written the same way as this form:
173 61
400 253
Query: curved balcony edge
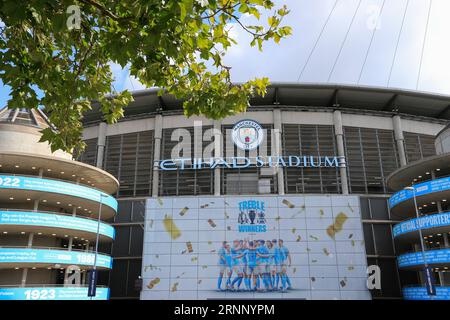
433 257
52 292
52 186
14 256
54 220
431 221
421 189
420 293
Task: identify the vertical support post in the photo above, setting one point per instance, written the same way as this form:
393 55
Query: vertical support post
399 139
218 145
101 143
157 154
278 152
339 133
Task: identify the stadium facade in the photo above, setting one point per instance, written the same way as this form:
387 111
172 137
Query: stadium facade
51 209
302 197
313 165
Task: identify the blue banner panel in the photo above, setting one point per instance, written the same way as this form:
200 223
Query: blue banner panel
17 255
52 293
420 293
420 189
26 218
427 222
416 258
55 186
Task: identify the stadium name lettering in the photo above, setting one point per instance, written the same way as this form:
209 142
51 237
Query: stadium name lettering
245 162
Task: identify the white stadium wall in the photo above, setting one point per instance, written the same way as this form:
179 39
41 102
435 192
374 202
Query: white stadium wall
323 234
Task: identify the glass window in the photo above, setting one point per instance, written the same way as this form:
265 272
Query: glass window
379 209
371 156
310 140
184 182
383 239
129 157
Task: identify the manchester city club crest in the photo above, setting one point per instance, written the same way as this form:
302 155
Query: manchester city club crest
252 216
247 134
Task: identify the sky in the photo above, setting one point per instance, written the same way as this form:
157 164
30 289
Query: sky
384 43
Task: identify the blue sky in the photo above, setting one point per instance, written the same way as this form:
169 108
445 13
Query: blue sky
356 46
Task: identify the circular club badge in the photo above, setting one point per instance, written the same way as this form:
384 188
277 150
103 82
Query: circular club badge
247 134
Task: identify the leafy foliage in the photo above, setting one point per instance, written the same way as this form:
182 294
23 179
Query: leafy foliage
165 43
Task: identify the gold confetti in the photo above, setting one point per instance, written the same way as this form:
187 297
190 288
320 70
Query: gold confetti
293 230
204 266
189 247
179 276
313 237
151 267
171 228
299 238
350 268
160 201
302 208
183 211
337 225
350 235
322 213
277 218
203 206
210 242
351 209
325 250
353 243
288 204
343 283
150 224
211 223
153 283
174 287
193 259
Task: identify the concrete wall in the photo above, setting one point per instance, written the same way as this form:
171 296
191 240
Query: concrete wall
266 117
442 142
17 138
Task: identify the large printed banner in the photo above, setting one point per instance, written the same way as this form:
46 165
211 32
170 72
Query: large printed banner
55 186
420 189
52 293
427 222
416 258
254 247
14 255
420 293
21 218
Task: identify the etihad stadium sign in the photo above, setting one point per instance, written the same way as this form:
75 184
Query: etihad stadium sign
247 162
244 146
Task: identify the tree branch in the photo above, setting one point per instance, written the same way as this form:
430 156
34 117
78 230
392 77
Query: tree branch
105 11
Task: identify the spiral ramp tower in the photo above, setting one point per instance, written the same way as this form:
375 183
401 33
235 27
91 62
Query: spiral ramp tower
49 215
428 181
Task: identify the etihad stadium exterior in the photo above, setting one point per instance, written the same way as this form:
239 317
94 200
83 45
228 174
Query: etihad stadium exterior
312 165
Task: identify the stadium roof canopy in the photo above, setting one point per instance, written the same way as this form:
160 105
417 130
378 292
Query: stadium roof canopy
312 96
